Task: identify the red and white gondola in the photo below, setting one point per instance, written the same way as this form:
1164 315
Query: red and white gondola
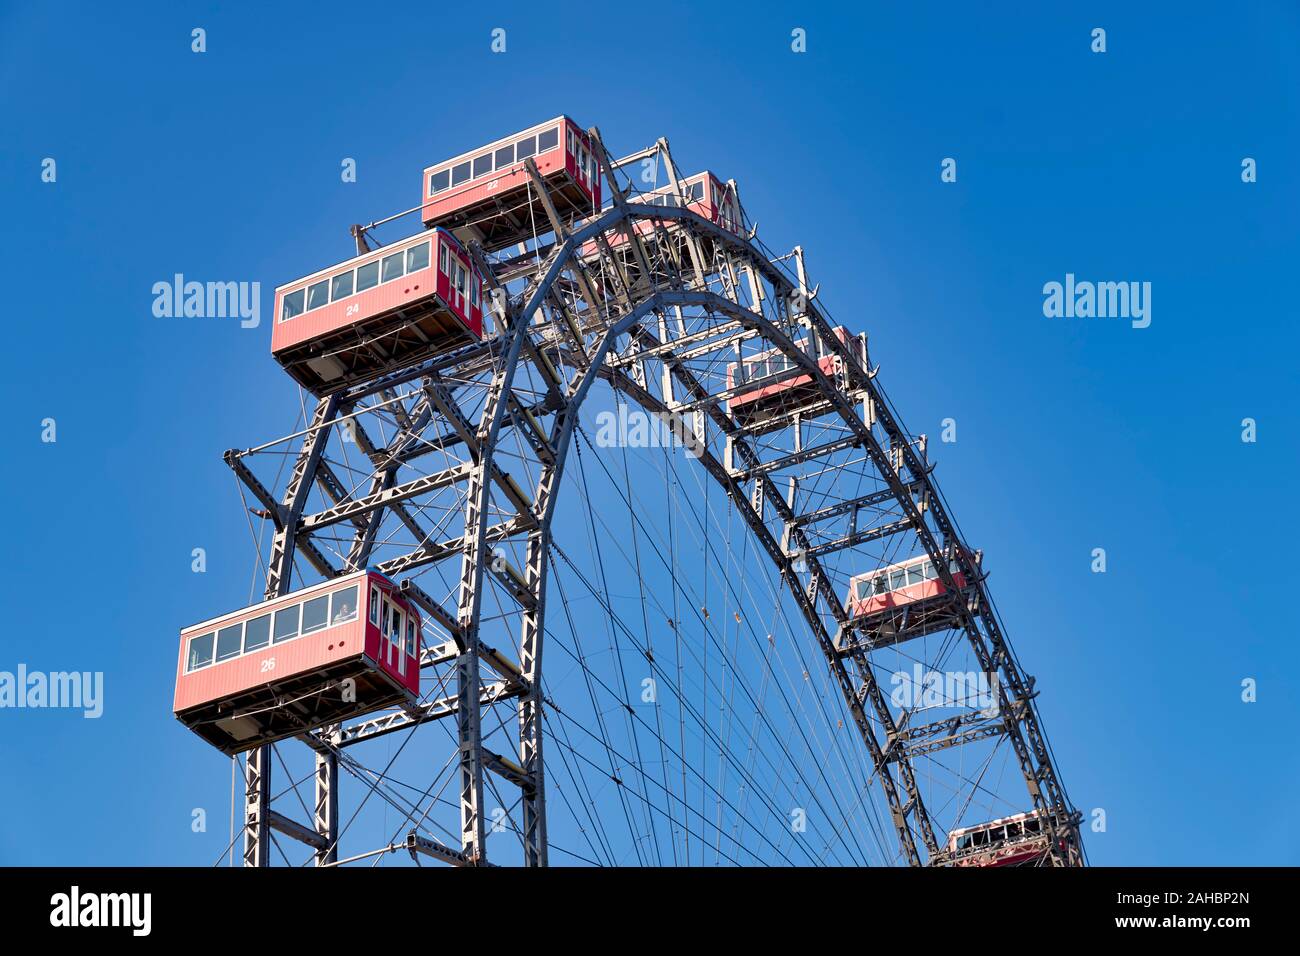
487 195
378 312
320 655
905 600
1018 840
703 194
766 387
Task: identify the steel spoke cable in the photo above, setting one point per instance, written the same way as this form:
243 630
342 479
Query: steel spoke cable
594 543
654 808
807 668
699 718
676 583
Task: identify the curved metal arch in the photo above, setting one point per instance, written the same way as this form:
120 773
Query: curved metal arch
783 561
1014 698
1036 765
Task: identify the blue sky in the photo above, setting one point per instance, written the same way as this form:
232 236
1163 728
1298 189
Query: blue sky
1072 434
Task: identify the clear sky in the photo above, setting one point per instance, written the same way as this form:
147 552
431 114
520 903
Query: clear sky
1073 434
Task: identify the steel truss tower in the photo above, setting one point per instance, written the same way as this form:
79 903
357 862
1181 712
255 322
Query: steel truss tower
654 301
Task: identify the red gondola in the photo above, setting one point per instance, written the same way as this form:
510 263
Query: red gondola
1017 840
897 586
904 601
378 312
336 650
703 194
487 195
776 392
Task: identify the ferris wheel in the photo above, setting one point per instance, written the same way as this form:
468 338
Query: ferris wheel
585 415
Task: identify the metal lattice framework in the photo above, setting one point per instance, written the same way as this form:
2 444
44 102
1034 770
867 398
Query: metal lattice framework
463 457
